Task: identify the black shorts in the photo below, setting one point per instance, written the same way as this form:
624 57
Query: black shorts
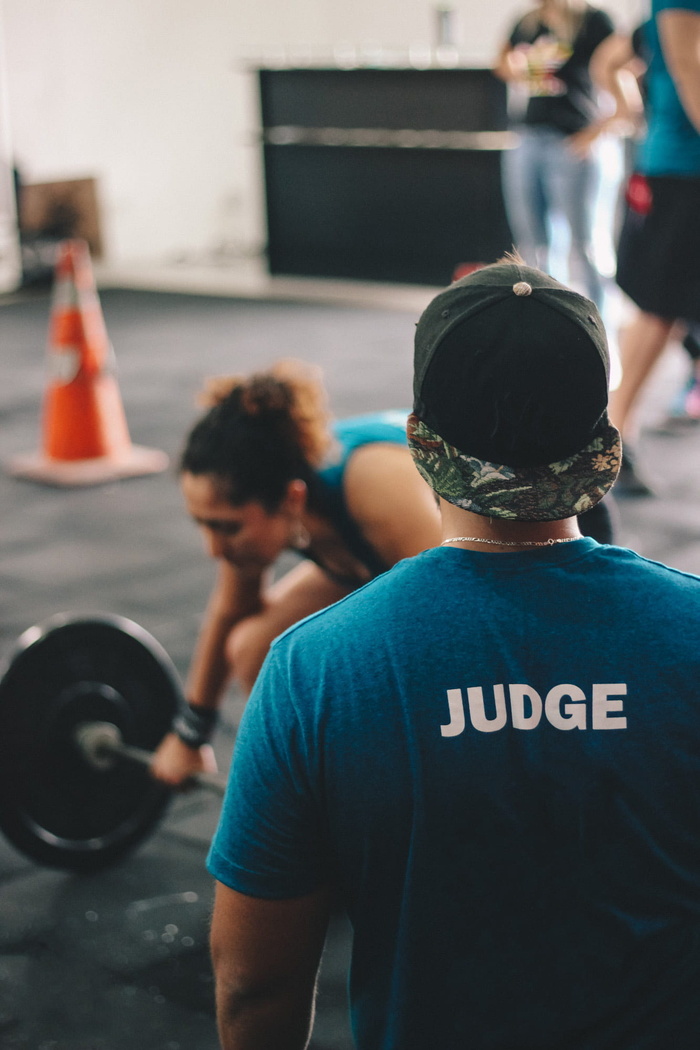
658 257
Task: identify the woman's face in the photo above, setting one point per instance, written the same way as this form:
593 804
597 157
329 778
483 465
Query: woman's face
247 536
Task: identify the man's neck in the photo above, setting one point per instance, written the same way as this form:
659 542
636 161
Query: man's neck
462 528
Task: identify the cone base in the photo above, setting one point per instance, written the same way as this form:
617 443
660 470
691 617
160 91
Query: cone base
135 462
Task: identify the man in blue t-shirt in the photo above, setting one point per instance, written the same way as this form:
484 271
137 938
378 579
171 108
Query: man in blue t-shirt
489 755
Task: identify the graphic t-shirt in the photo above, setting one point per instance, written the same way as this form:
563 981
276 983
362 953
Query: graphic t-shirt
496 759
559 87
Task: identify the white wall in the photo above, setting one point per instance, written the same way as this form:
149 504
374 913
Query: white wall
153 98
9 243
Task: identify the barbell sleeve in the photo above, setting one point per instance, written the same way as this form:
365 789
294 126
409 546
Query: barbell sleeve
99 742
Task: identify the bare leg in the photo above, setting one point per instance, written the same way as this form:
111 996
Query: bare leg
641 345
304 590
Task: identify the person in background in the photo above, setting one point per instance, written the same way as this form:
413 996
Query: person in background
489 755
658 258
550 56
626 59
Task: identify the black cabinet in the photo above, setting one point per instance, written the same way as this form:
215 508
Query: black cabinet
383 174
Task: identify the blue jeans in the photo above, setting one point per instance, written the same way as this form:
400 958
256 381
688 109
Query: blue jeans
542 178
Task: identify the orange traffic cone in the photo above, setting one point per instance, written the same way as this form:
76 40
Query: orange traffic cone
85 438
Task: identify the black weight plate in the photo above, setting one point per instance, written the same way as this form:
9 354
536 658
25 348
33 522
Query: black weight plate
54 806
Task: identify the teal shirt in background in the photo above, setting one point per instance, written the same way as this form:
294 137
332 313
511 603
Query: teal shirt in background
672 144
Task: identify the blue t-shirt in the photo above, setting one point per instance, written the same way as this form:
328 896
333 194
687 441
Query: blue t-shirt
672 144
496 759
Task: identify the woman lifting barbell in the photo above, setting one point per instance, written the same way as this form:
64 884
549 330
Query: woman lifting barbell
262 472
265 471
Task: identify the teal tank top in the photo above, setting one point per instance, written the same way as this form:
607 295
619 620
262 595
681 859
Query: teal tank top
351 434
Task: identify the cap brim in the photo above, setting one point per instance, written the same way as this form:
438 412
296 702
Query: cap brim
540 493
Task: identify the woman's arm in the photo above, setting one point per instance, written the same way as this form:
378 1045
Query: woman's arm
611 71
615 69
679 31
235 596
394 508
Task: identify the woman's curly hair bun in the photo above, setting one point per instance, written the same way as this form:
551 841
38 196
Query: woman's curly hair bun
289 396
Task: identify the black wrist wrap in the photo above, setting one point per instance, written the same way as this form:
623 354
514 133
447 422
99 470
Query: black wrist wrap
195 725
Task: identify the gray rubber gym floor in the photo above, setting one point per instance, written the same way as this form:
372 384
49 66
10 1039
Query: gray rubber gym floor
119 959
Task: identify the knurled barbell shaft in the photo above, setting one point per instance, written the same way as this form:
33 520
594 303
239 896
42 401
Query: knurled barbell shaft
100 740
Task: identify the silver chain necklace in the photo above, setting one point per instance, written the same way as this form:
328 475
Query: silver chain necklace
509 543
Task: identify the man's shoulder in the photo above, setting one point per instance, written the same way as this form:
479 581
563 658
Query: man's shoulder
394 597
654 578
637 562
372 599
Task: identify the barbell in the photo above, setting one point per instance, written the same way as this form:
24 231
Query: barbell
84 701
101 744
